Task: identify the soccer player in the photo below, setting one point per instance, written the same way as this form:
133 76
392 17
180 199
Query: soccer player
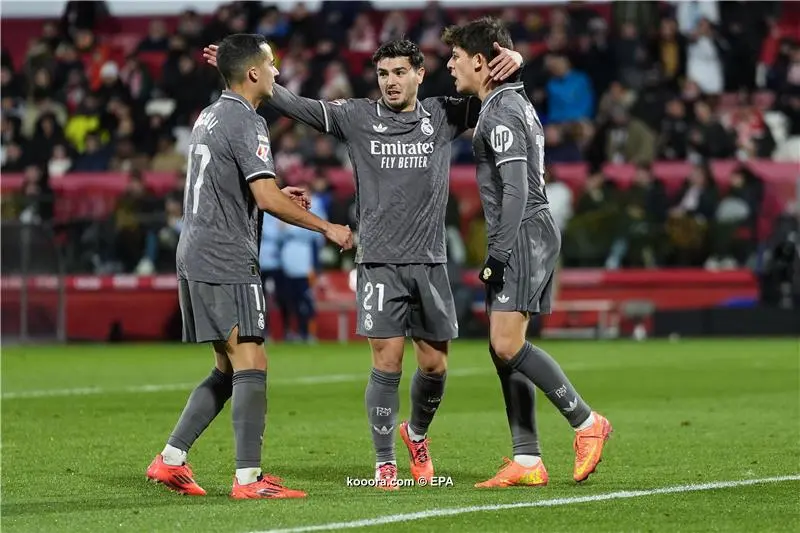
400 150
523 246
230 178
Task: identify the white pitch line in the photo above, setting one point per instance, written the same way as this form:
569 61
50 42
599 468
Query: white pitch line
620 495
167 387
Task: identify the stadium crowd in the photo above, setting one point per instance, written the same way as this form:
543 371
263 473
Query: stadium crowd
641 82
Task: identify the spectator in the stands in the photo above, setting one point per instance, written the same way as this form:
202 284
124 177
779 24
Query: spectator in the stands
559 197
288 157
569 92
708 138
13 158
704 59
48 133
190 27
325 153
96 156
135 229
751 133
593 228
167 158
630 55
10 83
693 209
366 85
189 102
733 230
274 26
67 60
618 96
298 254
428 30
157 39
336 84
40 102
638 243
110 85
437 81
85 120
395 26
560 146
362 35
60 161
169 233
629 140
126 158
136 80
669 51
37 196
673 141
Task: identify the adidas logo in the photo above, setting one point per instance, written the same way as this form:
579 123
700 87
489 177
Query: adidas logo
572 405
502 298
379 128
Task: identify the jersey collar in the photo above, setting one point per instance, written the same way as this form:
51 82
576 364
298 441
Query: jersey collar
230 95
516 86
416 115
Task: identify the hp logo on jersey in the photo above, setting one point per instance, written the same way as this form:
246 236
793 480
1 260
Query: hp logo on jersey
502 138
427 127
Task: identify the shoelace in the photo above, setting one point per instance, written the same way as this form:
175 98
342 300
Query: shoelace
387 471
420 452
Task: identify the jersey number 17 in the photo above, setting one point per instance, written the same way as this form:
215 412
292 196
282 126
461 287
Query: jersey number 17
195 174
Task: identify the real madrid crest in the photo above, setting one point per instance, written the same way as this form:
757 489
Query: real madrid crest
427 127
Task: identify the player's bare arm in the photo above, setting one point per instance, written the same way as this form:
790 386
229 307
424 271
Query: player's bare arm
271 199
298 195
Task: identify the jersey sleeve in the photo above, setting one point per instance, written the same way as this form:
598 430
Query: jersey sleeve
251 148
327 117
461 113
506 134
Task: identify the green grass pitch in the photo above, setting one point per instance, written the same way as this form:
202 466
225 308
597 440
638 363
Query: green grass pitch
81 423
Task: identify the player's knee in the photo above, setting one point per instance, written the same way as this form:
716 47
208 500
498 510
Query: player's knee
248 356
387 354
506 348
433 365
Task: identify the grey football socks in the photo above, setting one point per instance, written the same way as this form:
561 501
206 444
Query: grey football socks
544 371
249 416
203 405
426 395
382 401
519 394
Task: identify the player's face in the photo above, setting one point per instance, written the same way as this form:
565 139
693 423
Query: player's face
267 72
399 82
462 69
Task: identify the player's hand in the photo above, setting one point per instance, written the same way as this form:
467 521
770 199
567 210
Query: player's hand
298 195
505 64
493 272
341 235
210 54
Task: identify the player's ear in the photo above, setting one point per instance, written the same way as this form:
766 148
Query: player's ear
252 74
420 75
478 61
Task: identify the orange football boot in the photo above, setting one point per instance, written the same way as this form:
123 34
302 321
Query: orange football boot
513 474
420 459
266 487
177 478
386 477
589 446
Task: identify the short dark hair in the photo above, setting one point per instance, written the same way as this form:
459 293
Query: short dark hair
479 36
237 53
399 48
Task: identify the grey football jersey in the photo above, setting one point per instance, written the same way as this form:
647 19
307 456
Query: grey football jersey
229 148
401 167
508 130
